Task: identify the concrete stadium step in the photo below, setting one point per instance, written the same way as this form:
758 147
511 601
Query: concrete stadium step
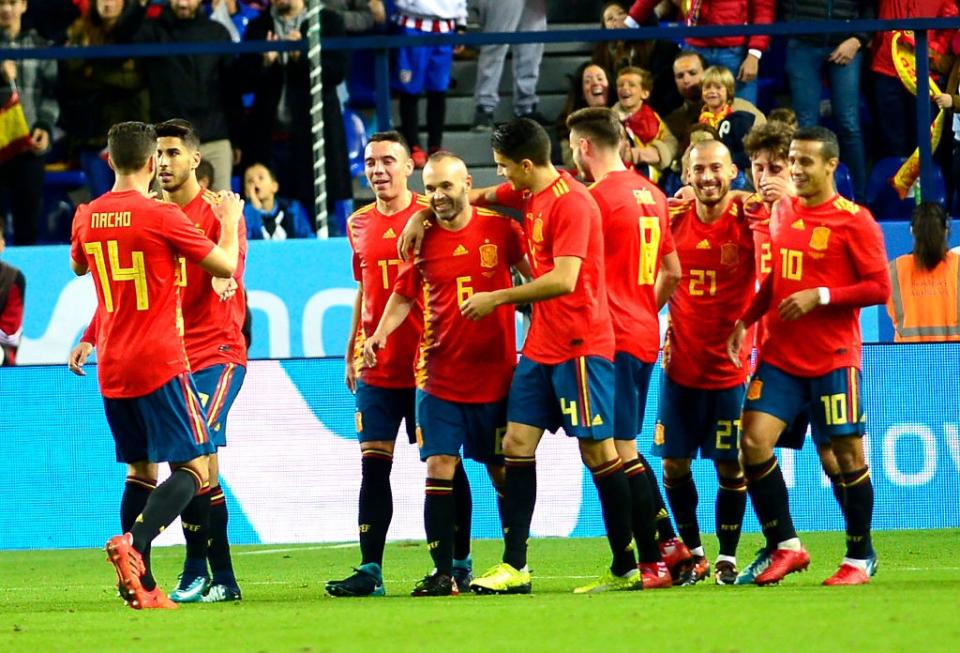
554 74
460 109
482 176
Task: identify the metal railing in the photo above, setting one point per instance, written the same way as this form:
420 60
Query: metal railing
382 44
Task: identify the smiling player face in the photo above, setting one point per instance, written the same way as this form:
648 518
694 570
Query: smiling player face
176 163
447 184
387 166
711 172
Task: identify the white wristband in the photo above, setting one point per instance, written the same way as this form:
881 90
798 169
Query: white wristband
824 295
756 53
630 22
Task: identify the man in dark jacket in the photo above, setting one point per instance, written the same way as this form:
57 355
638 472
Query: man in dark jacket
278 128
197 88
838 58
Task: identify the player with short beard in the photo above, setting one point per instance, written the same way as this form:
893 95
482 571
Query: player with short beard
702 391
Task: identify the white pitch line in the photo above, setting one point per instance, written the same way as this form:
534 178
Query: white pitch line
344 545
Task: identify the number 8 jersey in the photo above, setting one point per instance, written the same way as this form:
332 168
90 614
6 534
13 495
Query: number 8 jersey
718 283
131 245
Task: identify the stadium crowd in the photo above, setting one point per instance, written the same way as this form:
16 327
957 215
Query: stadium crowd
251 109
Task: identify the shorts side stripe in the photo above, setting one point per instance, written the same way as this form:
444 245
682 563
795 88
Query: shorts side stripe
584 380
194 413
853 391
220 394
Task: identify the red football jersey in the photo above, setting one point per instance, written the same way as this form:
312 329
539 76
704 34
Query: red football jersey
467 361
212 330
717 285
131 244
636 235
376 265
835 244
758 217
564 220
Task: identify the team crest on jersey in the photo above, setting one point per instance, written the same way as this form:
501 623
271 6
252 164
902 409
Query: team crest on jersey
820 238
644 197
755 390
488 255
729 254
538 230
658 434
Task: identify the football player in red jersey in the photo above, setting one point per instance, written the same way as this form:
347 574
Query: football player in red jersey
565 374
465 366
828 262
385 394
642 271
702 391
131 243
213 315
768 147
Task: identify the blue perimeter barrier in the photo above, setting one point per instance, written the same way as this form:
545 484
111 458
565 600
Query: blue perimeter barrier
301 293
383 44
291 468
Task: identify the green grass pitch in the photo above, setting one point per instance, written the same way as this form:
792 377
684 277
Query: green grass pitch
63 601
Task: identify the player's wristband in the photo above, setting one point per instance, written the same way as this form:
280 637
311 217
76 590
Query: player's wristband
824 295
756 53
630 22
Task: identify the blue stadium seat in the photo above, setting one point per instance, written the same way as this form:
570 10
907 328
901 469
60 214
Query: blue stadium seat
356 140
843 181
883 200
62 190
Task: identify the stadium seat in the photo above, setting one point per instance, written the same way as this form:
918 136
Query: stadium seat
843 181
63 189
356 141
882 199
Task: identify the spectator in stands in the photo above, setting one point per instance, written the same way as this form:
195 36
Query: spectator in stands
785 115
279 126
97 93
650 54
425 69
652 148
836 59
688 69
52 18
269 217
235 15
13 287
924 301
589 87
35 81
197 88
717 89
740 53
950 101
361 16
204 174
509 16
895 106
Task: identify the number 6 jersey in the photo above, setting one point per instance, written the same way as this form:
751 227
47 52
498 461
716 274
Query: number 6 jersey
131 245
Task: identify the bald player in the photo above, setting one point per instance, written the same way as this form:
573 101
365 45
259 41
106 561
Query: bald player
465 366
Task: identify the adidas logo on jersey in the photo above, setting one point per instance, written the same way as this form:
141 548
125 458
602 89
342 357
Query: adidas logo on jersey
703 244
460 251
390 233
798 224
597 421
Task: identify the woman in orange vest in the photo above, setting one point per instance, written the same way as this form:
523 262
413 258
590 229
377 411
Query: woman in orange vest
925 304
